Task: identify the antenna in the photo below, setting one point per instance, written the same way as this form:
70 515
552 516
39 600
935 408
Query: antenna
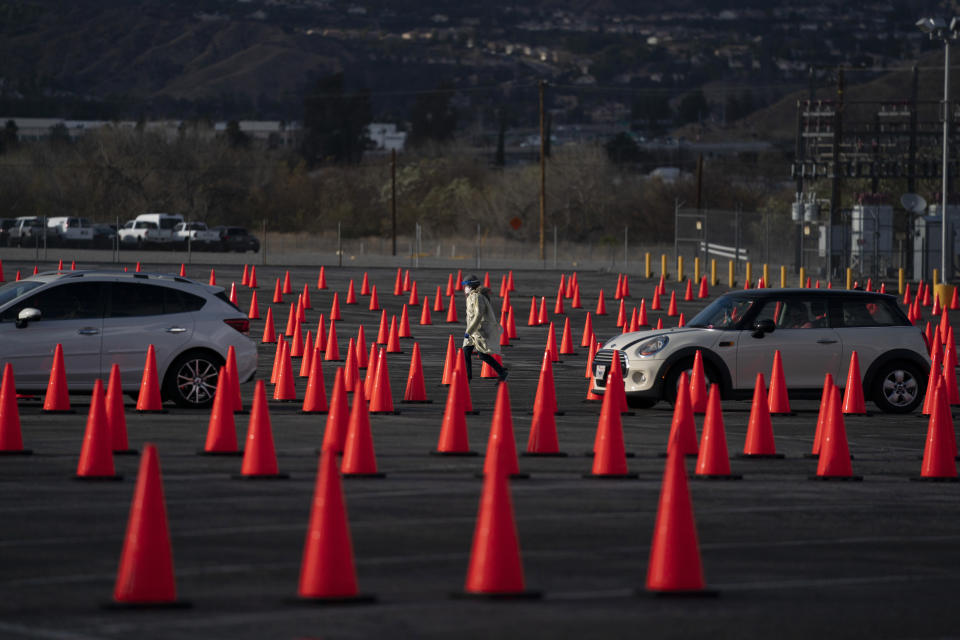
913 202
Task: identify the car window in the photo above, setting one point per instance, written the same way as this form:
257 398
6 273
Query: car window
132 299
868 313
16 289
68 301
795 313
722 313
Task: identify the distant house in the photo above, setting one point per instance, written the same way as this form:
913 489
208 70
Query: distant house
385 137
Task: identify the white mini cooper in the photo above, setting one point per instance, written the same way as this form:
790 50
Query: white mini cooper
815 330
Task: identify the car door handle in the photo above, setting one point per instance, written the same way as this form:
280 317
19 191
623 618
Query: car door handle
88 331
176 329
825 341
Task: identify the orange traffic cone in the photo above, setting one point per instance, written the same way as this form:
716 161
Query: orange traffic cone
587 336
148 400
287 288
601 305
322 278
954 301
853 393
338 417
269 332
495 569
398 283
511 324
501 454
374 300
610 457
542 315
777 399
642 314
332 352
183 271
11 440
291 321
96 456
213 278
254 313
351 294
425 318
116 420
566 341
452 311
57 398
296 341
414 298
252 283
615 384
284 389
438 302
822 414
575 302
403 327
543 427
704 292
759 442
939 452
558 305
551 347
698 385
683 432
221 429
335 307
546 396
453 439
327 572
675 566
381 398
834 463
365 285
277 292
306 301
655 304
532 320
714 461
260 456
463 383
449 363
688 293
315 397
672 307
416 390
393 340
145 576
307 357
359 459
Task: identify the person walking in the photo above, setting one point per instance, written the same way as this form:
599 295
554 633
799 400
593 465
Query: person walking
483 328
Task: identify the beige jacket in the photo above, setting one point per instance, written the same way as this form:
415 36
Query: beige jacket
483 327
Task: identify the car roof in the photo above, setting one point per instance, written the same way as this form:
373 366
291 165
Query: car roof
758 294
122 276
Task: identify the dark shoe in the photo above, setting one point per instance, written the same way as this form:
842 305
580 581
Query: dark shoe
503 378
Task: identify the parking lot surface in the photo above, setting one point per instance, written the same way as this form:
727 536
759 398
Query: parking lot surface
787 557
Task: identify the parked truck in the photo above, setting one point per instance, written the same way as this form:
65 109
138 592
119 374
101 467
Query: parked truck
197 235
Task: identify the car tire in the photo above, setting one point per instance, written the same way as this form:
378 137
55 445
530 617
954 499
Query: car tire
191 380
673 377
897 387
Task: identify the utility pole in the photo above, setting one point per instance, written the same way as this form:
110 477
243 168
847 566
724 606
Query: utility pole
543 172
835 168
393 196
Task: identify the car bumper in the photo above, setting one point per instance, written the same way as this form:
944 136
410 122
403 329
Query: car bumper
639 376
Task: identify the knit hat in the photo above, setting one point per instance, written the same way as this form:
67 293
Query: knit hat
471 281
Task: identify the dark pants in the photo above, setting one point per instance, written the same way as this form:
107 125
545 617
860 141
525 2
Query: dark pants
486 357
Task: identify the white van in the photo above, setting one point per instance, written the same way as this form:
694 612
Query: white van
69 231
165 223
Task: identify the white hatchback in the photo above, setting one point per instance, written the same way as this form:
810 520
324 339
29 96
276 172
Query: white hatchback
103 317
815 330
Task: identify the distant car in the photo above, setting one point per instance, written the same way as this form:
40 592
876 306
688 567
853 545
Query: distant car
26 231
197 235
5 225
69 231
104 235
815 331
142 234
101 318
237 239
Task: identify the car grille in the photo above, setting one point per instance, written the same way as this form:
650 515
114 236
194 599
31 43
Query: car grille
605 357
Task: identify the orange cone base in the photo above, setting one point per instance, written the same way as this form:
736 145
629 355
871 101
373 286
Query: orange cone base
277 476
847 478
460 454
512 476
176 604
534 454
700 593
56 411
18 452
150 410
591 454
363 475
126 452
761 456
226 454
711 476
416 402
395 412
98 478
498 595
313 412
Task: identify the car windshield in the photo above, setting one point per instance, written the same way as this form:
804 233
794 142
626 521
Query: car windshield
722 313
13 290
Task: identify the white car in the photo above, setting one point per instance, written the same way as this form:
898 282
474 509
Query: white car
101 318
816 330
69 231
197 235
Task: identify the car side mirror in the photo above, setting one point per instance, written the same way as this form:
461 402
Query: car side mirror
26 316
761 327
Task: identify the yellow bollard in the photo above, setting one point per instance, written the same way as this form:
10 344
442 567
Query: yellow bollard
766 276
647 271
663 265
696 270
803 278
849 278
945 293
679 268
783 277
936 278
749 276
732 281
901 276
713 272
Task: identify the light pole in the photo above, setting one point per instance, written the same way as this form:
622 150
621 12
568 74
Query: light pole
937 28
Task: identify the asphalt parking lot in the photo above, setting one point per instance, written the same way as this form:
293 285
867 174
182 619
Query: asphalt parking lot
787 556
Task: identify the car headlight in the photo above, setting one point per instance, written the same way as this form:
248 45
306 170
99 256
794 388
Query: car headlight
652 346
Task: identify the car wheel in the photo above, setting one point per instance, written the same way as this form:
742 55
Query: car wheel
192 379
640 403
898 387
673 377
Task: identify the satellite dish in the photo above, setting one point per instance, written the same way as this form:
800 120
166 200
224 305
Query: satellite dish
914 203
